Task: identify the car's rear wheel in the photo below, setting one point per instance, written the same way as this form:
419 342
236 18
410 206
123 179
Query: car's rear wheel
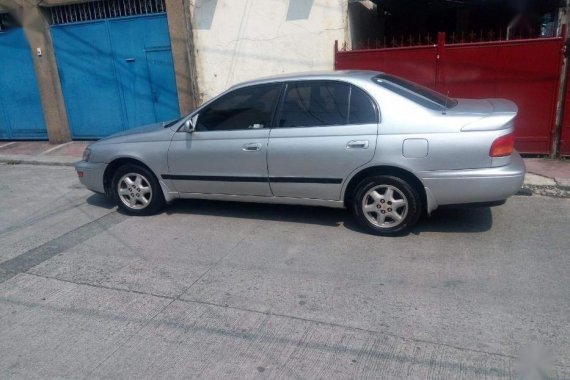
386 205
136 191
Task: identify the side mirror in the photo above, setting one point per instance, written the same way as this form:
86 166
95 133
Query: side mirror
190 124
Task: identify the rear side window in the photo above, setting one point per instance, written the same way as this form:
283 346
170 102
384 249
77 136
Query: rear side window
315 104
325 103
244 108
362 109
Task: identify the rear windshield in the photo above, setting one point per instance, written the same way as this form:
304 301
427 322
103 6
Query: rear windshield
415 92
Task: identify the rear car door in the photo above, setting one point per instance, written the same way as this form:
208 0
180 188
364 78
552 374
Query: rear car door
324 131
227 153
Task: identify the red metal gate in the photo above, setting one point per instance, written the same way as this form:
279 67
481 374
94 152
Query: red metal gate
524 71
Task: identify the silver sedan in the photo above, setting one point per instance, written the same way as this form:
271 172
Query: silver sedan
381 146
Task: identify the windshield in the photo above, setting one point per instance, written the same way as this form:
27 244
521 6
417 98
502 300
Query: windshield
415 92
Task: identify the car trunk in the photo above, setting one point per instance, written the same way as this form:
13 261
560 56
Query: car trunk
486 121
495 114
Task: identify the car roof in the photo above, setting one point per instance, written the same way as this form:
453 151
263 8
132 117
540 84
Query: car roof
346 75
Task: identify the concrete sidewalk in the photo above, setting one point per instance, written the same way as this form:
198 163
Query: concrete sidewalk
41 152
541 172
552 172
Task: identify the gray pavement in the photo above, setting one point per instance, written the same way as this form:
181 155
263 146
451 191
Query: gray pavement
212 289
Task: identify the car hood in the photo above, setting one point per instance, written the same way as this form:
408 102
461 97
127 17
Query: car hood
152 132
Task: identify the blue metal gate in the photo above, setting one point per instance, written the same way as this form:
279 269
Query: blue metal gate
21 115
115 73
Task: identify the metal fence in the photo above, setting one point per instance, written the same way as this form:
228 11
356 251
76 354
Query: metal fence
428 39
526 71
97 10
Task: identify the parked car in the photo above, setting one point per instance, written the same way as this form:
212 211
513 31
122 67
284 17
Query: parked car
379 145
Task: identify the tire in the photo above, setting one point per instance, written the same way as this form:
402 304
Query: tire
136 190
386 205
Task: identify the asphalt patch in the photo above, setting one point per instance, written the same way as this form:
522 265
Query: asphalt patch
46 251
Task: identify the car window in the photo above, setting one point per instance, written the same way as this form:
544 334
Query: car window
314 104
362 109
244 108
415 92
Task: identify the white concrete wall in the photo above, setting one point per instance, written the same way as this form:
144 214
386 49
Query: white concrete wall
238 40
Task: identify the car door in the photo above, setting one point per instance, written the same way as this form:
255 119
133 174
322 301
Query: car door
324 131
227 152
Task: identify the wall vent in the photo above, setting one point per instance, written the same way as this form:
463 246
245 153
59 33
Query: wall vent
107 9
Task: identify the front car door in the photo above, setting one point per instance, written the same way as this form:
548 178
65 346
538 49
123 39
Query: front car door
325 130
227 153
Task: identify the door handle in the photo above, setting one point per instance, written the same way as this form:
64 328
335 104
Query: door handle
251 147
357 144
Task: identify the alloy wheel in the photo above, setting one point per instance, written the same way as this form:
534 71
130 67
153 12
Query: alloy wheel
385 206
134 191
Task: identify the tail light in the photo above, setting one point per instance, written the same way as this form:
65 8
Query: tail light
503 146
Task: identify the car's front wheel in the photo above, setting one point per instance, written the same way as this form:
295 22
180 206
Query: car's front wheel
136 191
386 205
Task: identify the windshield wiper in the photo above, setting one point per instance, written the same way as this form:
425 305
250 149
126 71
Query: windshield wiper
167 125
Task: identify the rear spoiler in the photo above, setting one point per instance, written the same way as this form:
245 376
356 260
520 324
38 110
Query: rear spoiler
504 112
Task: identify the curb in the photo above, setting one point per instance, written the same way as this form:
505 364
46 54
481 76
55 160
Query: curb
546 191
563 183
11 161
553 190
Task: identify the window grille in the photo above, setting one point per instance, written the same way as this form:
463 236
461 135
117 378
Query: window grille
106 9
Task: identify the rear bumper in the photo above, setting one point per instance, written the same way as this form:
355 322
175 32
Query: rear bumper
92 175
451 187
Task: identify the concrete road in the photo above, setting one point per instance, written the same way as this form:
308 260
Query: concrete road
213 290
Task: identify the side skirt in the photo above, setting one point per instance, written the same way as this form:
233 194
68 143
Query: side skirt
262 199
474 205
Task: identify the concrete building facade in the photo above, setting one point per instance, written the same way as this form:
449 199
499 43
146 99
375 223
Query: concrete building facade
214 44
241 40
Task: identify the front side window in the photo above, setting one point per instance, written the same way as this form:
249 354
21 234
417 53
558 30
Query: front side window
318 104
244 108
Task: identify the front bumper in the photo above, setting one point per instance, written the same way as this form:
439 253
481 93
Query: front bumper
92 175
450 187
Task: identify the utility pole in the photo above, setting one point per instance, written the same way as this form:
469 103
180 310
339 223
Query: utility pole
563 24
